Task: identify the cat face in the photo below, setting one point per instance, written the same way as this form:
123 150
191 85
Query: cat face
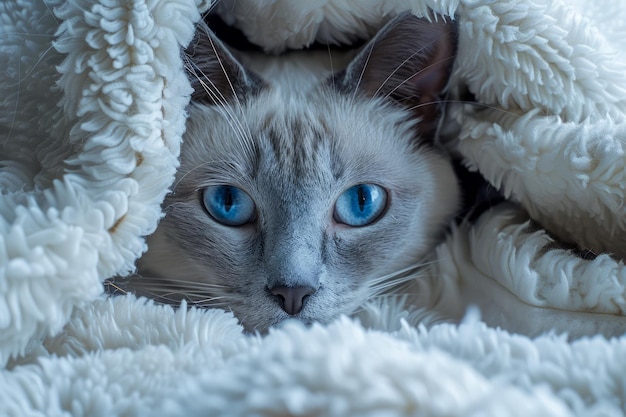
305 202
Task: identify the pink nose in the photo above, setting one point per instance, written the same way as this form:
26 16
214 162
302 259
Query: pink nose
292 297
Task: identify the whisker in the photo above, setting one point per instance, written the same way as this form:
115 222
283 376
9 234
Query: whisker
190 296
247 128
472 103
243 134
416 74
221 64
192 170
201 301
209 302
209 87
408 269
179 286
400 66
51 13
358 84
109 283
330 59
161 298
236 174
398 280
17 101
165 281
39 60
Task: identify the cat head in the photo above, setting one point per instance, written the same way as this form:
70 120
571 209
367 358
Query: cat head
305 198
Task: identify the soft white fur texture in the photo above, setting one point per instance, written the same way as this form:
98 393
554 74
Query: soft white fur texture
91 115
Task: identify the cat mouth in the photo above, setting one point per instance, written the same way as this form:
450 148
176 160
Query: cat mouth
262 319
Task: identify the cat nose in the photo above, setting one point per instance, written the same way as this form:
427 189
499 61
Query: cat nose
292 297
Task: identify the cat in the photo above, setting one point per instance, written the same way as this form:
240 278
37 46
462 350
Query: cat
307 185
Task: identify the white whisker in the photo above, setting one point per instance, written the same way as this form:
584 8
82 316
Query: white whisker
472 103
358 84
415 75
330 59
245 130
397 68
397 280
243 134
221 64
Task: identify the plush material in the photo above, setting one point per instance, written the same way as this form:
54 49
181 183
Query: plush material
92 104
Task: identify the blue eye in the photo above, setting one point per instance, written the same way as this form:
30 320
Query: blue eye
360 205
229 205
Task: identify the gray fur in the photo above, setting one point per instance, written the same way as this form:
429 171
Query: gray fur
295 138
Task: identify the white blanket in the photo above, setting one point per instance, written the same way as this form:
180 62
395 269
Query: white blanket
92 98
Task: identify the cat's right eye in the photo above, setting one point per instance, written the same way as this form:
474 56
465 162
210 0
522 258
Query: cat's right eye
229 205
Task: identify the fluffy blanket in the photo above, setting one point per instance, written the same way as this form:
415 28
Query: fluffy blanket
92 99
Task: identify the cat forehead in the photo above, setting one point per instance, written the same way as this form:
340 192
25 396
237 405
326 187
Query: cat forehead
320 133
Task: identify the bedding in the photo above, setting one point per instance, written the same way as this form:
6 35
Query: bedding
521 314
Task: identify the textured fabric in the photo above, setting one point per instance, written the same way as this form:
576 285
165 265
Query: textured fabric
92 105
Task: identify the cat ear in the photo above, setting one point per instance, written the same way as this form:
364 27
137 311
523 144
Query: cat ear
216 75
409 61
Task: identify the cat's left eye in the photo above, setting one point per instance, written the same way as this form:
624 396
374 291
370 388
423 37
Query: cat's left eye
229 205
360 205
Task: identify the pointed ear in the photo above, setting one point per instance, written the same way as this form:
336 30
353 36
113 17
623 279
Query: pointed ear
216 75
409 61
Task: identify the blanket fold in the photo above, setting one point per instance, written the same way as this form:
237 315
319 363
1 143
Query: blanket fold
92 112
